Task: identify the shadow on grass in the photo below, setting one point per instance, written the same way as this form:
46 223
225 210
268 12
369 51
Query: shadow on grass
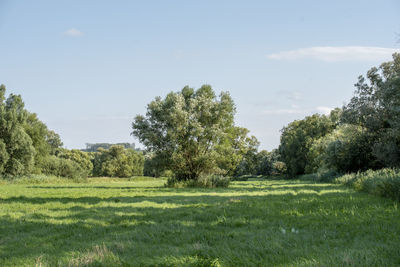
237 229
207 194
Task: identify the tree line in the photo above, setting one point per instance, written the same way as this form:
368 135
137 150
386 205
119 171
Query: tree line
363 134
28 147
191 133
187 134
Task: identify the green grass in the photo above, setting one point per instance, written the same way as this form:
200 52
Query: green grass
138 222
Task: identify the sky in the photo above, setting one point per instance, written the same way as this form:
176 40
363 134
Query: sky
88 67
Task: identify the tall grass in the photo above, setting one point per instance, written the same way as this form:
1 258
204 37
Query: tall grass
384 182
41 179
205 181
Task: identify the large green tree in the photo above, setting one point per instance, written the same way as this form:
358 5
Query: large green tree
25 141
376 107
16 147
191 132
298 137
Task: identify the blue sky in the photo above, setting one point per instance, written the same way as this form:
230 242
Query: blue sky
88 67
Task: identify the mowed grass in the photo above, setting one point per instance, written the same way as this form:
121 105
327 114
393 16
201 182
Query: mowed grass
140 223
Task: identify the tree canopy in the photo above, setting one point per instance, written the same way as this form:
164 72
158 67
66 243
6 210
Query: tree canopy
192 132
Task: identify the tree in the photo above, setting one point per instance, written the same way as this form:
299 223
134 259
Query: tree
345 149
153 165
376 107
298 137
44 141
237 147
188 131
117 162
16 149
267 162
25 141
79 157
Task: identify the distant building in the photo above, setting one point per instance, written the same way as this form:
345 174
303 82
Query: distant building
94 147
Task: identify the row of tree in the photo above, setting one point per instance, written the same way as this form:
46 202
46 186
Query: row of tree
192 133
364 134
27 146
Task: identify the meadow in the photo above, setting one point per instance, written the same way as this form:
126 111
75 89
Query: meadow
138 222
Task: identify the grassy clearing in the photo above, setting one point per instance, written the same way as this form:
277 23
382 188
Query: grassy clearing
140 223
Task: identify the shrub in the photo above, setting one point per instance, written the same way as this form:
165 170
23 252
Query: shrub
206 181
320 176
384 182
279 167
118 162
61 167
327 175
167 174
80 157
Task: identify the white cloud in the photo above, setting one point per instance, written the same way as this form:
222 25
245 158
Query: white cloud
338 53
73 32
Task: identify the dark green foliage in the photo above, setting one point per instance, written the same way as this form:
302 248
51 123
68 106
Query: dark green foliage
367 130
118 162
265 162
249 161
62 167
376 107
44 141
16 146
3 156
350 153
235 148
54 141
260 163
241 178
153 165
80 157
204 181
25 141
268 163
384 182
297 139
347 149
368 135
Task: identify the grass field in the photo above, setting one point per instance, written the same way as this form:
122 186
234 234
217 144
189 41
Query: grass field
140 223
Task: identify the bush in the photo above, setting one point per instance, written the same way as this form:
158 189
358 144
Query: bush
207 181
167 174
321 176
118 162
80 157
61 167
384 182
327 175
